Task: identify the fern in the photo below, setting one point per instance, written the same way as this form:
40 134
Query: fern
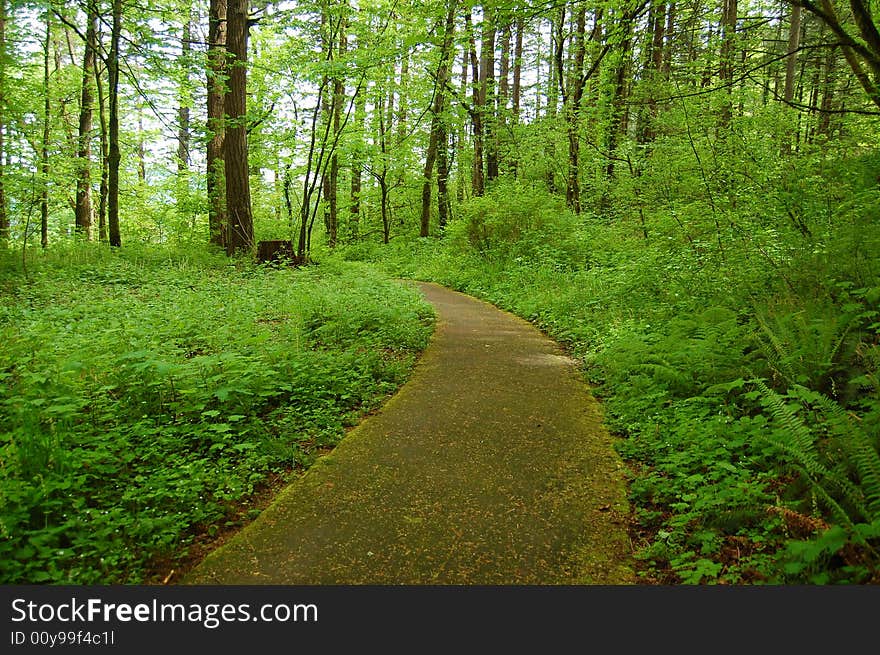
775 351
796 440
860 450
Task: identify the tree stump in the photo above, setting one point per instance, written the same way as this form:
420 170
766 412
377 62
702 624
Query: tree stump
276 251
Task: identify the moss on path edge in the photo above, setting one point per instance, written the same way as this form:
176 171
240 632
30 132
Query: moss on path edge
490 466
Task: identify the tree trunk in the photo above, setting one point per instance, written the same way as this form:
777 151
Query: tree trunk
183 117
83 212
618 102
238 192
104 190
572 101
477 175
357 167
114 152
141 149
824 127
44 148
462 174
4 216
488 92
728 37
215 179
516 88
338 100
794 38
438 130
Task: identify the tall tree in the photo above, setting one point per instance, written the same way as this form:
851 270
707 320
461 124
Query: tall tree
44 146
488 91
478 178
794 38
728 49
4 216
83 212
357 165
240 236
216 73
438 132
183 110
115 154
104 189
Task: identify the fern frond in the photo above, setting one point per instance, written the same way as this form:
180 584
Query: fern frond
860 450
799 444
775 351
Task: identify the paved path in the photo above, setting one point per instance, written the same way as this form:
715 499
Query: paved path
490 466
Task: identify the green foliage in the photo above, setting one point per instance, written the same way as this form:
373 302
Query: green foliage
146 394
737 355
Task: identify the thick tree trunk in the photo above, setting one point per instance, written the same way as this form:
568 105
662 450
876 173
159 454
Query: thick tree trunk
115 156
215 178
83 212
238 191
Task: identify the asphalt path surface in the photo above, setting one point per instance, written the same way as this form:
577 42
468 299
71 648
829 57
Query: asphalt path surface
490 466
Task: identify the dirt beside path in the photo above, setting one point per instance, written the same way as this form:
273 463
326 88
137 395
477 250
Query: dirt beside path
490 466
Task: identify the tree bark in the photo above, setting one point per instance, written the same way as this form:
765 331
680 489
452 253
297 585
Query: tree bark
357 167
338 100
44 147
216 71
794 37
572 100
488 92
438 130
4 216
516 86
104 190
183 113
728 37
238 192
477 174
114 152
83 212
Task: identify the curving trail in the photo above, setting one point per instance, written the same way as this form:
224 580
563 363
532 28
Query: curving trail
490 466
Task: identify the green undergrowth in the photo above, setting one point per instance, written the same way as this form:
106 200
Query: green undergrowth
737 356
145 394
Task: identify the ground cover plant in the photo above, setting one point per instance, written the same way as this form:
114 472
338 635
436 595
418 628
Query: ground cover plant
746 394
146 395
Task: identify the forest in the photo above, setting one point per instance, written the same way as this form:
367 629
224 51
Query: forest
685 194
